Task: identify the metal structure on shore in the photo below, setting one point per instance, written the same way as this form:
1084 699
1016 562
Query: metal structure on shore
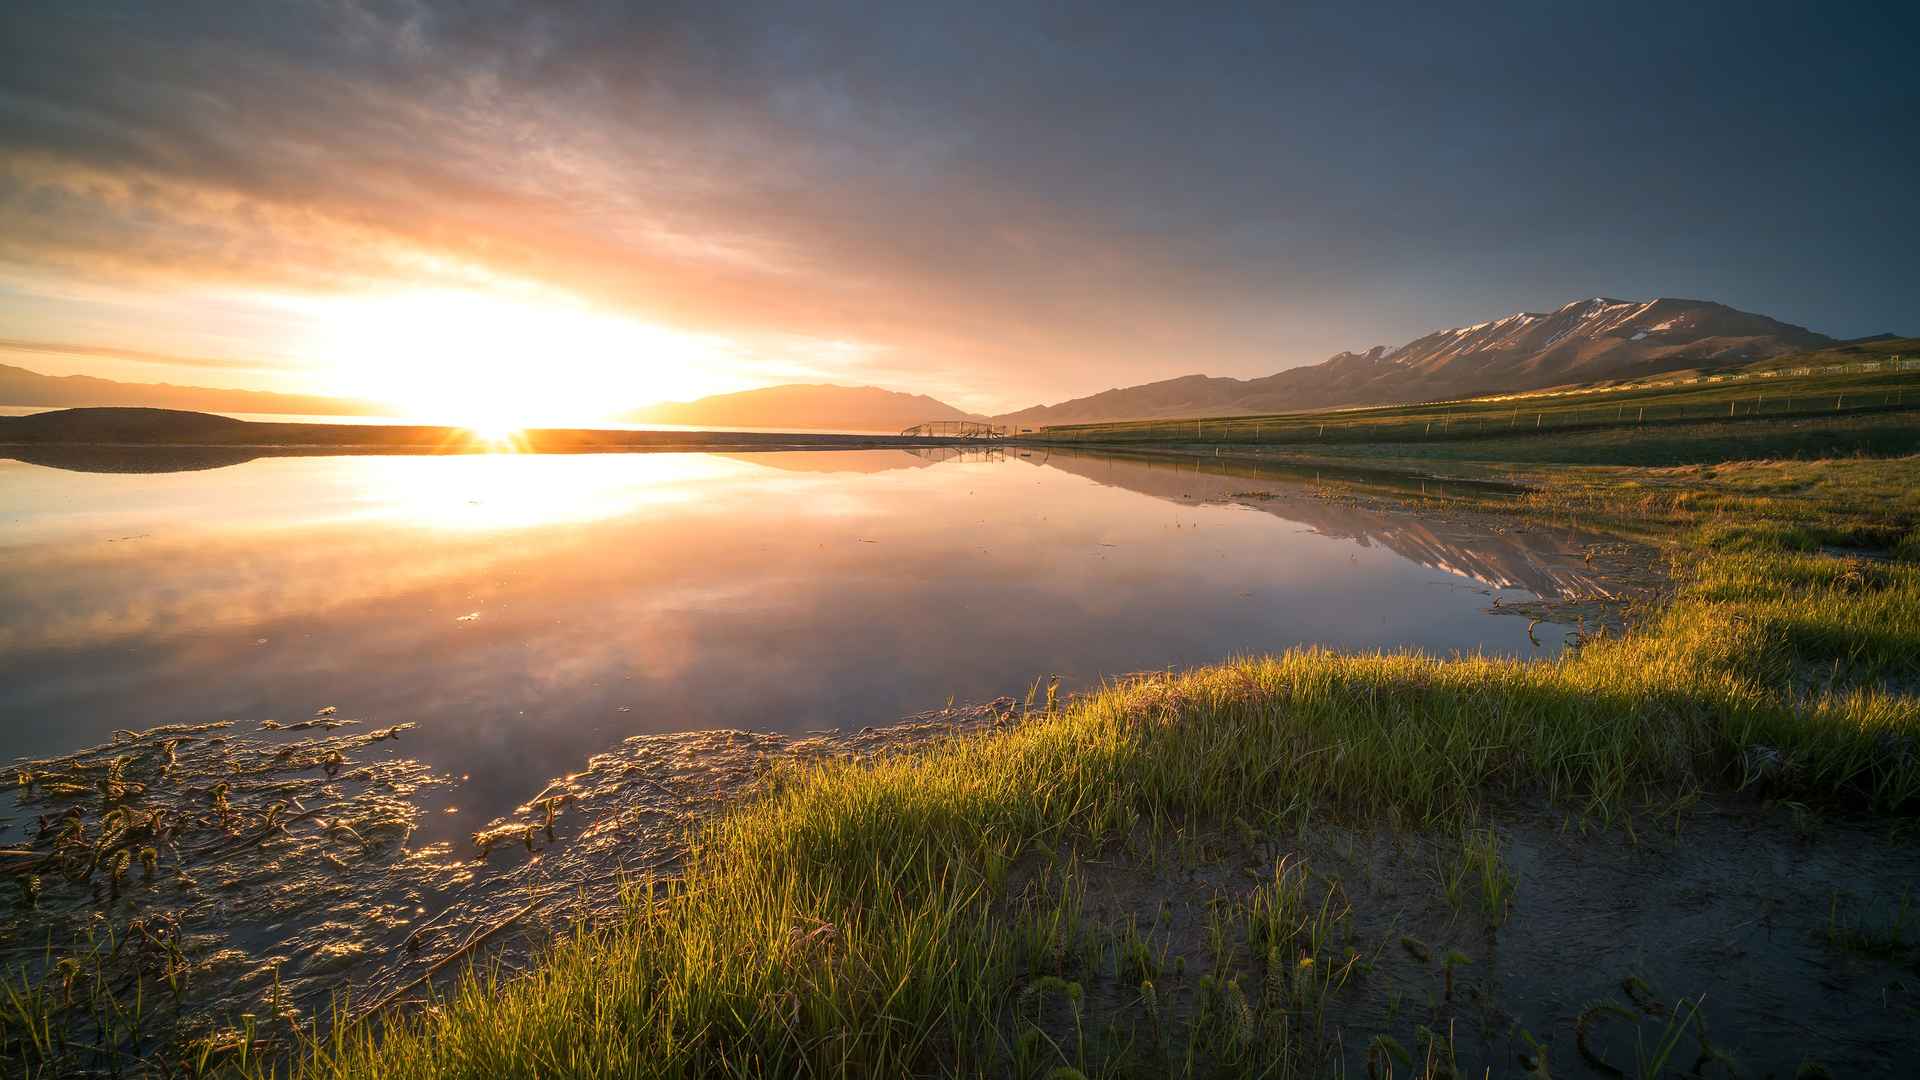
957 429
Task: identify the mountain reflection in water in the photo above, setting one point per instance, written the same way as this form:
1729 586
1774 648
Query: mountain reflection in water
1540 559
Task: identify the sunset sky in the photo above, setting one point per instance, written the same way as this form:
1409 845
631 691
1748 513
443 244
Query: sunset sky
592 206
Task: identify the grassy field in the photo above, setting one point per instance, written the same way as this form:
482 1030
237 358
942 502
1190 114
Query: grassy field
1879 433
955 912
1871 411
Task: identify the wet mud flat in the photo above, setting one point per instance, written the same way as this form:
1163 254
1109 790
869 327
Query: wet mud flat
184 892
1726 937
186 871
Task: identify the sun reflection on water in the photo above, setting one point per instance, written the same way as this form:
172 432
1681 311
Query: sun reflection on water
499 438
497 491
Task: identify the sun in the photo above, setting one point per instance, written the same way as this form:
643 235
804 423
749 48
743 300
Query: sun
497 435
497 365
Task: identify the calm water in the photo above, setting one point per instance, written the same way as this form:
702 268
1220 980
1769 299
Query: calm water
529 612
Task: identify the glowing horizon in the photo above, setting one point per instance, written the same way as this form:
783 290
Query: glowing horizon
505 364
414 204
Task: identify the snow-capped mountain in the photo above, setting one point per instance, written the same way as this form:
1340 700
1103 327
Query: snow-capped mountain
1584 341
1602 338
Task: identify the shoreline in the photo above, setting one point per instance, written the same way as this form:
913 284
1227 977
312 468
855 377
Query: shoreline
586 441
168 429
114 440
1138 856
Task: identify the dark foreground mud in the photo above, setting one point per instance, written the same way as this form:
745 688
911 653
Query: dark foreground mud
1728 938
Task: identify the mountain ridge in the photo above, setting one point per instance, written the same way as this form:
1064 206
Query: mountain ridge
806 405
20 386
1590 340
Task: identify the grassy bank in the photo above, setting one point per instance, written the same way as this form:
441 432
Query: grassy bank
1810 415
1887 433
932 914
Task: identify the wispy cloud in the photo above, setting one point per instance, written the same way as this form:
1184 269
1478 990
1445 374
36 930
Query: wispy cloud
11 346
1006 202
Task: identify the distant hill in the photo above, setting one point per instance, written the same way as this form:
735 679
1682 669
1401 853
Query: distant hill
18 386
1584 341
116 425
804 405
1858 350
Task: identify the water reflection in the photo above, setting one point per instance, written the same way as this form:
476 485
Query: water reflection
109 459
495 492
1526 556
530 611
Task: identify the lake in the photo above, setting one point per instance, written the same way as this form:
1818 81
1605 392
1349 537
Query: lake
528 612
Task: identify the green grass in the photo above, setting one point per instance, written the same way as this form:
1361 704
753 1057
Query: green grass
1477 866
1893 933
928 914
1875 433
